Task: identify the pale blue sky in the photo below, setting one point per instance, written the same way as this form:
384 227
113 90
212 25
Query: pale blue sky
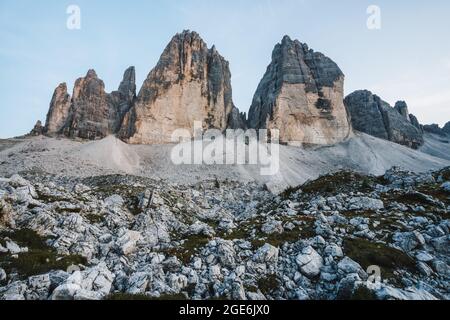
409 58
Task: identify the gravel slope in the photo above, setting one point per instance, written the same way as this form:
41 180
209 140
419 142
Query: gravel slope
361 153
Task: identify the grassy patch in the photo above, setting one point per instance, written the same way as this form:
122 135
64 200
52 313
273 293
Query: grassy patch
286 194
368 253
191 246
436 192
304 232
94 218
39 259
268 284
340 181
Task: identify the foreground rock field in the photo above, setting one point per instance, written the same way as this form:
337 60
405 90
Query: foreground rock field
125 237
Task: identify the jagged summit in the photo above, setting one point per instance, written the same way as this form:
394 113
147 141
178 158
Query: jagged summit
189 83
300 94
90 113
371 115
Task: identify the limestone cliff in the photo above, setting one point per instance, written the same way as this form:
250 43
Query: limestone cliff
301 95
189 83
59 110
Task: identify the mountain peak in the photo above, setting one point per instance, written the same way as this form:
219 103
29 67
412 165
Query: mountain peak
294 96
91 74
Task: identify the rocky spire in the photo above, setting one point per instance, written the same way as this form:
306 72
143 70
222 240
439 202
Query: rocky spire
446 128
90 114
371 115
301 95
189 83
59 110
402 108
38 129
128 85
415 122
122 100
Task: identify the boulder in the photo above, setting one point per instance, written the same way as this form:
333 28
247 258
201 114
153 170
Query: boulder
310 262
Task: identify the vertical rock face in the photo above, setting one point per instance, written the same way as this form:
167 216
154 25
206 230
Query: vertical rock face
122 100
189 83
376 117
237 120
364 110
93 113
402 108
415 122
59 110
90 114
446 128
301 95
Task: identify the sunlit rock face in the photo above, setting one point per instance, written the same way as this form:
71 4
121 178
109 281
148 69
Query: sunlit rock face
190 83
59 110
301 95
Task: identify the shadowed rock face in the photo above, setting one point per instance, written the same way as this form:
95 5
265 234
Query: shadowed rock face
364 110
371 115
237 120
415 122
123 99
402 108
446 128
59 110
301 95
434 128
189 83
91 113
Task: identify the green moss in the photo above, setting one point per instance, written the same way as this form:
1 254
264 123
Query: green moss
368 253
